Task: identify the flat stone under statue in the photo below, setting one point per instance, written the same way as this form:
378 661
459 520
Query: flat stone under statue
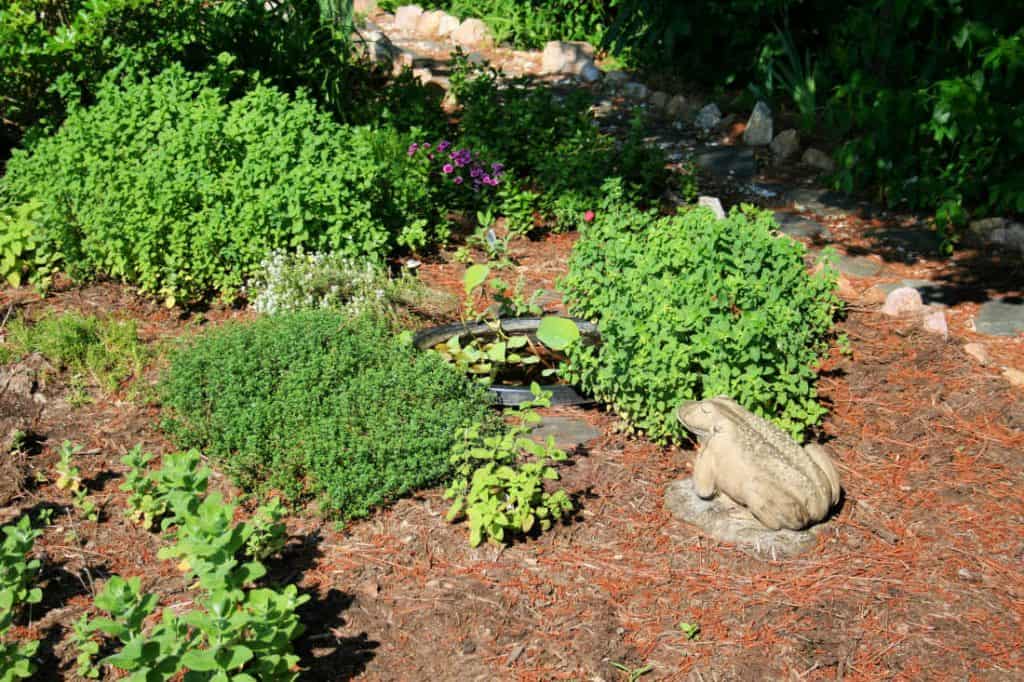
769 483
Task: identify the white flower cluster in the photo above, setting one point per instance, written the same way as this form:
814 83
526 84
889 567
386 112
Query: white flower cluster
299 281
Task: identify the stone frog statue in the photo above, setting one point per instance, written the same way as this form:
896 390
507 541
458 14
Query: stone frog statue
758 465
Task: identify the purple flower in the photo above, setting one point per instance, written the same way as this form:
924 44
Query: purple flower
412 148
426 145
443 145
447 168
457 180
476 172
497 168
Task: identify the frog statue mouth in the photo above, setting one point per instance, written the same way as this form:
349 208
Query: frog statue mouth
684 411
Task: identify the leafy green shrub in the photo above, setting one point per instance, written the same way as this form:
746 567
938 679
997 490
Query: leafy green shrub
236 630
691 307
312 402
167 184
17 576
104 352
500 496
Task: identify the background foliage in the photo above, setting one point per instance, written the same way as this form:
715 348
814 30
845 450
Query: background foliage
691 307
313 402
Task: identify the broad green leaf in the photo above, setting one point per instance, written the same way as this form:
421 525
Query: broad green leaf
557 333
474 277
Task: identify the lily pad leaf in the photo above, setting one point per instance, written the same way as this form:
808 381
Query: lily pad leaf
557 332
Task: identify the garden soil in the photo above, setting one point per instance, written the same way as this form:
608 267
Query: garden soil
918 575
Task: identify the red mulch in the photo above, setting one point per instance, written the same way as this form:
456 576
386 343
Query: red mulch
919 575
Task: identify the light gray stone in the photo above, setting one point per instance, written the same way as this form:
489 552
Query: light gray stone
659 100
590 73
978 352
429 24
714 204
566 57
364 6
473 33
379 49
903 301
568 432
1001 318
447 26
758 132
635 91
407 16
818 159
998 231
935 322
616 79
795 225
758 465
932 293
726 521
708 117
786 144
1014 376
858 266
678 107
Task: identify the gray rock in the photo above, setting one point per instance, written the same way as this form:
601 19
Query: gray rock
932 293
858 266
429 23
822 201
708 117
1014 376
759 126
616 79
935 323
903 301
726 521
447 26
636 91
998 231
798 226
407 16
659 101
978 352
364 6
568 433
786 144
473 33
379 49
818 159
678 107
566 57
732 161
1001 318
714 204
921 240
590 73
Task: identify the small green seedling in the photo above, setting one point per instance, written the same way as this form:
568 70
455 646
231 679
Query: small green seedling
690 630
633 674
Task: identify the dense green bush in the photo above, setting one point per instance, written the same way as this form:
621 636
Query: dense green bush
691 307
169 184
314 403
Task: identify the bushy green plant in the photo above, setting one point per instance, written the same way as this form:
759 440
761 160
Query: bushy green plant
500 496
168 184
17 575
102 352
313 402
691 307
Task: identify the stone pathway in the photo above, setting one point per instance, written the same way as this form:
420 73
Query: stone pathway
899 251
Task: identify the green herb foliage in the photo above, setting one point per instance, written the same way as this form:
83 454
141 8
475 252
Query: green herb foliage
500 495
691 307
94 351
169 184
17 575
312 402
